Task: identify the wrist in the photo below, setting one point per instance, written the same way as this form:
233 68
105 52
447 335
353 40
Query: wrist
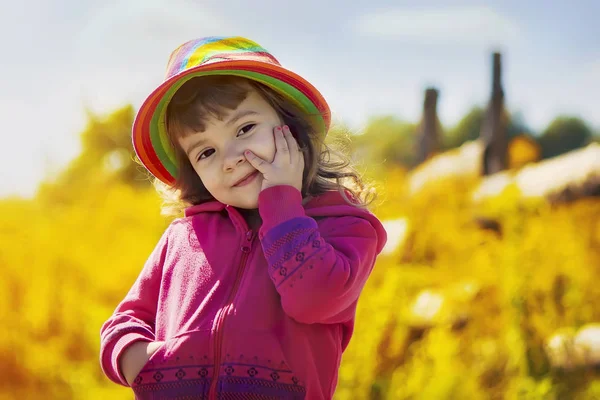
278 204
133 358
273 185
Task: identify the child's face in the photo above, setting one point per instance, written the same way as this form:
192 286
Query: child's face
217 154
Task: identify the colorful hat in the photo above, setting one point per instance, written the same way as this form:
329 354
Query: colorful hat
214 56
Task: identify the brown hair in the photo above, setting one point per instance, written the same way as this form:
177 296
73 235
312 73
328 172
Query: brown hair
200 98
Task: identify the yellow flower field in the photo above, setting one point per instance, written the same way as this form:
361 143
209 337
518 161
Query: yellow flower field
463 308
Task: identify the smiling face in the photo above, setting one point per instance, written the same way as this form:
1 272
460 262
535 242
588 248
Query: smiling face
216 153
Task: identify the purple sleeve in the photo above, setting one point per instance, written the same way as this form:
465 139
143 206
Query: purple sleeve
134 318
319 271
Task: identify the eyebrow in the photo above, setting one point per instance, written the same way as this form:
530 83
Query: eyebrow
239 116
229 122
199 143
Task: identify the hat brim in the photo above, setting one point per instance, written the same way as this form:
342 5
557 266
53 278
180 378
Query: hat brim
149 134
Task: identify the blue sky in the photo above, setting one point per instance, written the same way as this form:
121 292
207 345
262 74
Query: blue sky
367 58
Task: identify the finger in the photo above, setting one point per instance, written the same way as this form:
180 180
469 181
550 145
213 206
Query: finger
281 147
301 160
261 165
292 144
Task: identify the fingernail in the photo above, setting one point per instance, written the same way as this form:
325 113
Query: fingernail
278 129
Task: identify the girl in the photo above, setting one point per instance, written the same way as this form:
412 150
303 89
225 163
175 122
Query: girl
252 294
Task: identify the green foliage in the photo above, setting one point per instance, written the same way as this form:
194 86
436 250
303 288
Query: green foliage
386 142
107 156
467 129
564 134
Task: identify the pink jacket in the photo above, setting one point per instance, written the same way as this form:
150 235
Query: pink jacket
248 318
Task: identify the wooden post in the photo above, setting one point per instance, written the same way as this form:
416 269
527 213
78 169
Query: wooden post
493 133
428 142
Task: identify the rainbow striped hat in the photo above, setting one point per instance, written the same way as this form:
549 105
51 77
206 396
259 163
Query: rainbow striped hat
214 56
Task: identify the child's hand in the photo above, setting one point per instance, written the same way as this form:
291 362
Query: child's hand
135 357
287 167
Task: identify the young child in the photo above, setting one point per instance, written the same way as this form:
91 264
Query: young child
252 294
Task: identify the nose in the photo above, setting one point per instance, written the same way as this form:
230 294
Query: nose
233 158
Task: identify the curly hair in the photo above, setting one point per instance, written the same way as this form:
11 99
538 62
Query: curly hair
200 98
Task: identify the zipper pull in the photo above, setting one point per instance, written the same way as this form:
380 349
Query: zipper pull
249 237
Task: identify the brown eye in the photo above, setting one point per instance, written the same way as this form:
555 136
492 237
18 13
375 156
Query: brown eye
205 153
246 129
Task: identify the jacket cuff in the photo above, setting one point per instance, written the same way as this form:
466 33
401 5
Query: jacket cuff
278 204
120 346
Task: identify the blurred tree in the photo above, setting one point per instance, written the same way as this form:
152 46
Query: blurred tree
106 156
564 134
517 125
386 142
469 127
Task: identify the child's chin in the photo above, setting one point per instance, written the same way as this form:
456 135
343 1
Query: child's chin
247 203
248 206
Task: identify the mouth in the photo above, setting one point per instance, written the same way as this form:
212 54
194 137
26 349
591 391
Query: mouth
246 179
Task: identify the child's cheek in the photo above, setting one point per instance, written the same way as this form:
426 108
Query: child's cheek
264 146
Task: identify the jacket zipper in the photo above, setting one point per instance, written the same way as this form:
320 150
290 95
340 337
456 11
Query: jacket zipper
246 248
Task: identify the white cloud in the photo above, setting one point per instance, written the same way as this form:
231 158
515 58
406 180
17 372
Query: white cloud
452 25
